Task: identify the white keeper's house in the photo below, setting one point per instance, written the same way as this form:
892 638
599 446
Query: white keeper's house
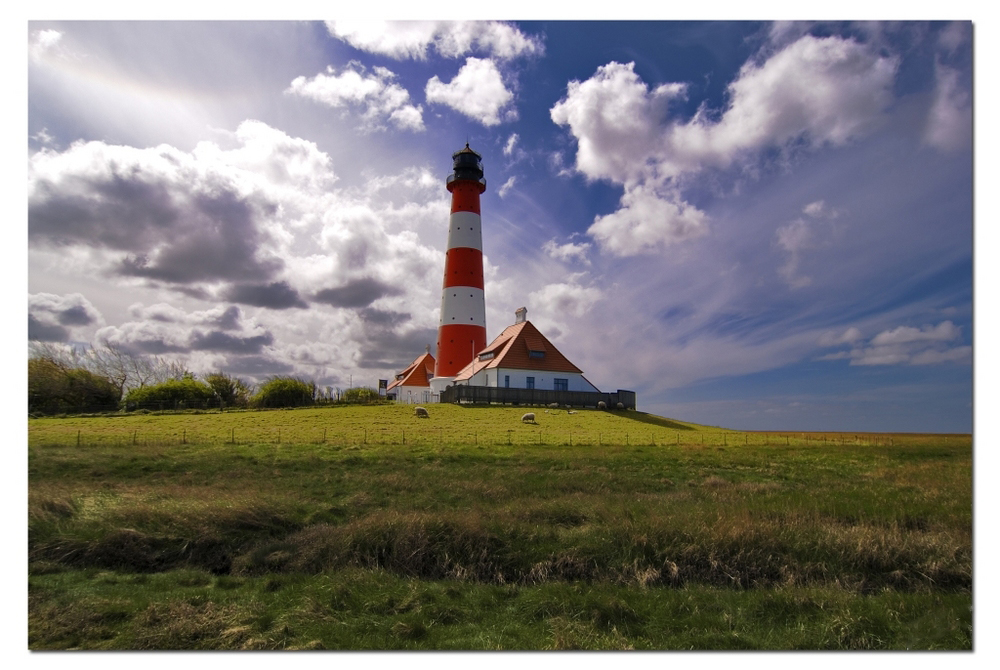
521 357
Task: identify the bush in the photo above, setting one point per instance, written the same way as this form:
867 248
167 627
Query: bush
55 388
284 392
229 391
187 393
361 396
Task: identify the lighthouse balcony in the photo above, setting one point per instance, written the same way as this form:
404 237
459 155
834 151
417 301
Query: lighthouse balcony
460 177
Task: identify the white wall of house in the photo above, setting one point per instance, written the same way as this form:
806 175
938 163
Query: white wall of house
414 395
544 379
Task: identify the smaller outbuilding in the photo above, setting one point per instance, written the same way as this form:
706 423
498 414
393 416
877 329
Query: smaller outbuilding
413 384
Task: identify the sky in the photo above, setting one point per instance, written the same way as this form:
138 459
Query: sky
764 226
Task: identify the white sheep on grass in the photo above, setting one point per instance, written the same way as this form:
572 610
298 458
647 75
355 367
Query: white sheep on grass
528 418
621 406
601 404
421 412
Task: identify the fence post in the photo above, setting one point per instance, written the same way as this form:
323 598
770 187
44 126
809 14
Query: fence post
508 437
78 438
232 436
184 437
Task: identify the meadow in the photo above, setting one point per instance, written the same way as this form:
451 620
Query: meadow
368 528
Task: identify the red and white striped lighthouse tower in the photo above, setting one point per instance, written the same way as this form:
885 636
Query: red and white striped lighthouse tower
462 329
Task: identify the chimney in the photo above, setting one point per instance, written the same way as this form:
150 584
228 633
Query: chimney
521 315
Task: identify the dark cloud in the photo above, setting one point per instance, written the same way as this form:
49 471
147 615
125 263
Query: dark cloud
380 317
256 366
388 349
357 293
276 295
219 341
44 332
174 225
230 319
155 347
77 315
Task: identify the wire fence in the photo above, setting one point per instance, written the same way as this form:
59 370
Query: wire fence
522 436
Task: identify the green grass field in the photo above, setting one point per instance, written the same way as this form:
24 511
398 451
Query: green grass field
368 528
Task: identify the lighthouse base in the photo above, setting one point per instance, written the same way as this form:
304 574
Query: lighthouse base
439 384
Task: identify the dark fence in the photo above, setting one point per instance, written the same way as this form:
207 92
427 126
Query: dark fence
509 396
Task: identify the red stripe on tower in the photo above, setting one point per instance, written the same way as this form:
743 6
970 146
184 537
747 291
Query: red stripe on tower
462 329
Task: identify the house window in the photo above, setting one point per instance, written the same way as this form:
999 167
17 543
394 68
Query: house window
506 381
530 383
487 356
560 384
533 353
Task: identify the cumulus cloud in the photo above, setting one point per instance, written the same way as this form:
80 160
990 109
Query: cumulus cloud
177 217
563 299
165 329
381 98
450 39
571 251
927 345
477 91
813 91
356 293
52 318
276 295
648 221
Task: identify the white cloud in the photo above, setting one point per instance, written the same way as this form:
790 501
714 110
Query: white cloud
507 185
949 120
648 221
814 90
477 91
927 345
563 299
61 318
381 98
849 336
943 332
43 42
450 39
508 148
568 252
801 235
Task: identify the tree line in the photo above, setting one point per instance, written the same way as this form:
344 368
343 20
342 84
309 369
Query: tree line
109 377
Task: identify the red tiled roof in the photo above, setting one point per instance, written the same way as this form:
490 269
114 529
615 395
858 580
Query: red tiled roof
510 350
418 373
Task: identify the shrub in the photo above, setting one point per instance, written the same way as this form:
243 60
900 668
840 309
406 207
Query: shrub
55 388
284 392
187 393
229 391
361 396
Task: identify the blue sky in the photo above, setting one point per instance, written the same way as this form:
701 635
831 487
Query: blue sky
753 225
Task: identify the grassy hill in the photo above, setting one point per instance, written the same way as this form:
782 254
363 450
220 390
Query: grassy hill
366 527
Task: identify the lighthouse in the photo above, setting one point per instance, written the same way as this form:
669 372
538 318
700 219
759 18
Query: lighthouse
462 328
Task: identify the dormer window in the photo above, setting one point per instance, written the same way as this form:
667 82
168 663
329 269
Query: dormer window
487 356
534 353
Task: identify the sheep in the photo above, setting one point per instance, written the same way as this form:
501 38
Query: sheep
421 413
601 404
528 417
621 406
553 405
569 411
